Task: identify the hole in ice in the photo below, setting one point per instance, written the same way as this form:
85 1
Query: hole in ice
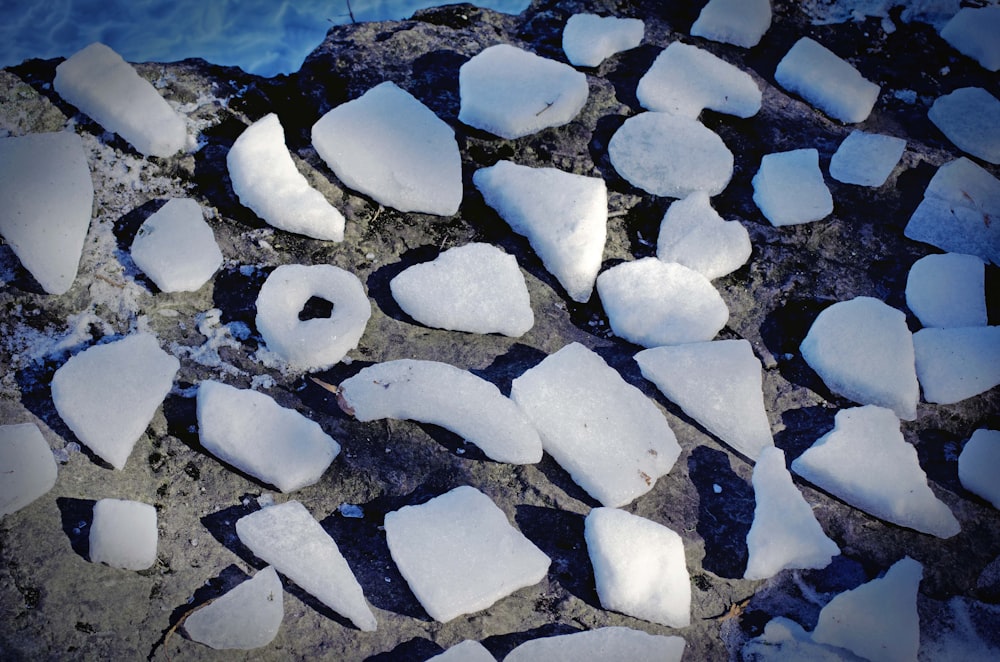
316 308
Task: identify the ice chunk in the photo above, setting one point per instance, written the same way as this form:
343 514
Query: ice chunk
789 188
824 80
253 433
866 462
466 651
979 465
877 620
108 89
863 350
266 180
693 234
973 31
866 159
784 640
176 248
947 290
318 343
970 118
441 394
588 39
670 155
564 216
390 146
639 567
459 554
512 93
650 302
27 466
606 433
107 394
607 643
247 617
957 363
287 537
476 288
47 197
737 22
684 80
785 533
123 534
717 384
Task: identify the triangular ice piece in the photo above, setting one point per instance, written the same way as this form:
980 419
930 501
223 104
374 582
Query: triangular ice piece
247 617
693 234
607 643
955 364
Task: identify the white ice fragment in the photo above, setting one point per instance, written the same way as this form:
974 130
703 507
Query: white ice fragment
607 643
318 343
948 290
866 462
588 39
957 363
389 145
47 197
611 438
108 89
247 617
970 118
650 302
253 433
789 188
979 465
459 553
863 350
829 83
513 93
784 639
107 394
466 651
123 534
639 567
973 31
718 384
289 538
563 215
670 155
476 288
692 233
176 248
26 464
866 159
785 532
684 80
737 22
266 180
441 394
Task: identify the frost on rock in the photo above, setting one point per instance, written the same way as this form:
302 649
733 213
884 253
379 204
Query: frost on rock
107 394
863 350
684 80
459 553
26 464
441 394
512 93
289 538
829 83
737 22
108 89
865 462
265 179
613 440
390 146
588 39
970 118
947 290
670 155
247 617
979 465
789 188
123 534
650 302
253 433
718 384
973 31
476 288
785 532
563 215
693 234
957 363
639 567
176 248
466 651
866 159
607 643
47 198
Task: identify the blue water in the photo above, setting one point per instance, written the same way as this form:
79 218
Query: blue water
265 37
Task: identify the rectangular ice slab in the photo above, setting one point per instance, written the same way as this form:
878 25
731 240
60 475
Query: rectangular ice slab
26 464
826 81
123 534
866 159
737 22
604 644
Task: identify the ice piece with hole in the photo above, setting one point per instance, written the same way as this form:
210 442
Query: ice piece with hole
588 39
692 233
970 118
957 363
973 31
123 534
738 22
176 248
248 616
789 188
26 464
979 465
866 159
947 290
826 81
606 643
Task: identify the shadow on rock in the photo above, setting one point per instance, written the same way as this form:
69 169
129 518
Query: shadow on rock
783 330
802 428
725 512
235 294
77 516
509 366
378 281
559 534
417 649
501 645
